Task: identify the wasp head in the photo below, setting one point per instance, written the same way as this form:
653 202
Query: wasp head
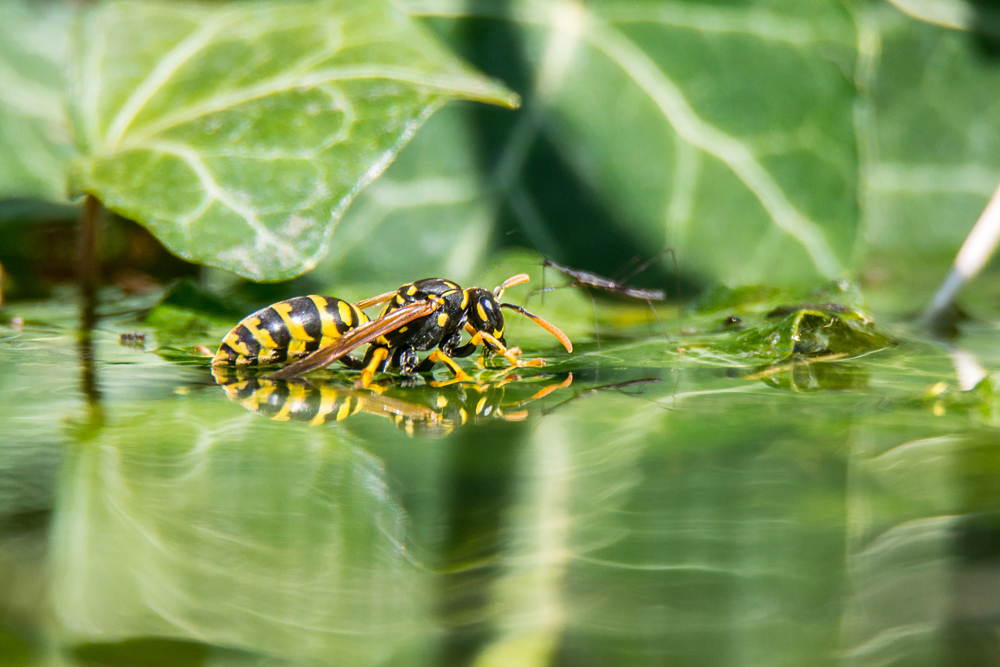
484 313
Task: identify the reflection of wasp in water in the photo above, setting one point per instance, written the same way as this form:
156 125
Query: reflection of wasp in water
317 403
419 316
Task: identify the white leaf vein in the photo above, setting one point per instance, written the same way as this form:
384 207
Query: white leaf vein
672 103
159 75
223 196
447 83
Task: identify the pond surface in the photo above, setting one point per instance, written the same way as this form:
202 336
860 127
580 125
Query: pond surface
638 505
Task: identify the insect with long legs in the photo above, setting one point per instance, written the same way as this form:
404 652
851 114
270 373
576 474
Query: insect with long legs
419 316
587 280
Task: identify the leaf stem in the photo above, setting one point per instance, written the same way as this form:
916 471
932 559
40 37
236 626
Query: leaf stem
88 258
975 252
88 275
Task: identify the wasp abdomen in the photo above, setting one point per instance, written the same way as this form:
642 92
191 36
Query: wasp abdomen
288 329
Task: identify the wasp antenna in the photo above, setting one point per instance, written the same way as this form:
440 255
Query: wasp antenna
551 328
510 282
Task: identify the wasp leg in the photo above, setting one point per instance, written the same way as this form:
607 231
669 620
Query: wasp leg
438 355
452 348
407 360
509 353
463 351
352 362
374 362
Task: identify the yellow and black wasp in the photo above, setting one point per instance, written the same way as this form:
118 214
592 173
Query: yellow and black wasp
428 314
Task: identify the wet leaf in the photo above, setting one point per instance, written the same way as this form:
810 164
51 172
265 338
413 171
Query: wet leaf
35 141
239 133
427 216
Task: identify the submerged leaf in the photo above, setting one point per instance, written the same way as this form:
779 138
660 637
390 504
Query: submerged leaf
238 134
35 142
767 325
813 333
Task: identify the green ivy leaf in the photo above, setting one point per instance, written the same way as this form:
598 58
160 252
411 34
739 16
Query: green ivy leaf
238 134
723 130
34 130
929 125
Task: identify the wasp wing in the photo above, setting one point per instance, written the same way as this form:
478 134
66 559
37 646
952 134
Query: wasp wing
375 300
354 339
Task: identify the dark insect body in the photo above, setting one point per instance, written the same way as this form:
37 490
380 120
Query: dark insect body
134 339
419 316
609 285
288 330
587 280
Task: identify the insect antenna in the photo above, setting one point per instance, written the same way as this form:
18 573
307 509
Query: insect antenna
551 328
510 282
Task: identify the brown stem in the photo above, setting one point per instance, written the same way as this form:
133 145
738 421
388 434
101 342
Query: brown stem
88 259
88 276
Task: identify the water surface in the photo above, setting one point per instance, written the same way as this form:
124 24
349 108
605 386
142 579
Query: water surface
630 506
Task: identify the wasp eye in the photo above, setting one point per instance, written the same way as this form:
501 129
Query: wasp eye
481 312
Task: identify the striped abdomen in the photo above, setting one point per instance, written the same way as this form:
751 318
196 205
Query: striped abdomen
288 330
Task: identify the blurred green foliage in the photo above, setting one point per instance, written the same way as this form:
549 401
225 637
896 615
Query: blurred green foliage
773 142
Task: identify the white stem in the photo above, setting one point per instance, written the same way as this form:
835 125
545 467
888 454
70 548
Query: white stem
975 252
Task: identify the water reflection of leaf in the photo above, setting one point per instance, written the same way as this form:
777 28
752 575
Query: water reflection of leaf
922 539
182 522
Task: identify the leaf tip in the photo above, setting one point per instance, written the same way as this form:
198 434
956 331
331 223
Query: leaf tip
510 99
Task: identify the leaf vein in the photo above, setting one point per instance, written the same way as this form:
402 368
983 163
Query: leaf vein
218 193
159 75
446 83
665 94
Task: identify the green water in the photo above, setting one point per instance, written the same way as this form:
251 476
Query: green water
661 507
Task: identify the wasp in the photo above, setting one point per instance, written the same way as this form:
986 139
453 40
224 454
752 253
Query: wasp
428 314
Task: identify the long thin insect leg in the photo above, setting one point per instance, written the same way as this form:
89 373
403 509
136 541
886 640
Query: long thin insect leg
593 302
543 285
658 320
645 265
542 290
677 274
625 271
